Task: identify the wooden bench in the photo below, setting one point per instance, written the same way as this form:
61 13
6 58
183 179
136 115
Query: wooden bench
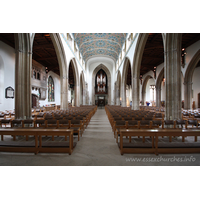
157 147
38 146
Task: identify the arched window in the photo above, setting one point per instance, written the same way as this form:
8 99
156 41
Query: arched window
50 89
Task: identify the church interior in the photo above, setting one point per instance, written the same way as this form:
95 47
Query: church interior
135 82
99 109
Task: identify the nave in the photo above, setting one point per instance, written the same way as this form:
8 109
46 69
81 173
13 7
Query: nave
97 147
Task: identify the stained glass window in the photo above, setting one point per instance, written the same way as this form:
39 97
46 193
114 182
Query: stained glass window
50 89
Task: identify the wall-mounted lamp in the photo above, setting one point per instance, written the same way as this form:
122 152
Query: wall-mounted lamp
141 79
183 54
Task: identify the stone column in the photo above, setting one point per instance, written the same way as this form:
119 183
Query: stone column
135 93
173 77
117 95
158 97
123 95
77 95
64 93
23 67
143 96
84 96
188 95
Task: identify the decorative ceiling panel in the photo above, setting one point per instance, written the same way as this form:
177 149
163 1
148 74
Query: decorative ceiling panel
98 44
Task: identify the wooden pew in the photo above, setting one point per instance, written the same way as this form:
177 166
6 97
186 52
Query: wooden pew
155 147
38 147
136 132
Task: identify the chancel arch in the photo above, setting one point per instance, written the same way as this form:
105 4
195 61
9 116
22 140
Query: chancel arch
104 91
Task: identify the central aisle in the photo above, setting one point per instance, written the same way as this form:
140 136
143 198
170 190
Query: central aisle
98 146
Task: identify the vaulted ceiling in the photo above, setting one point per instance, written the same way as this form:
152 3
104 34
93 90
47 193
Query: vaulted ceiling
100 44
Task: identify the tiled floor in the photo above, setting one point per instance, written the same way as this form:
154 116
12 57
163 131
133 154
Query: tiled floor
97 147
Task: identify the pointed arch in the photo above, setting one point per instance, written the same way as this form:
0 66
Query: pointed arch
188 80
137 59
62 63
101 66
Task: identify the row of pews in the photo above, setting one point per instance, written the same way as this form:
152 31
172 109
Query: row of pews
146 131
33 135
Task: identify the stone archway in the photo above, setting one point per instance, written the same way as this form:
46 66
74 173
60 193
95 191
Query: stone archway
60 52
188 80
158 88
137 59
127 64
101 66
62 62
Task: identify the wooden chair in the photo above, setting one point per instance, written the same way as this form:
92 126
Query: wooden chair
5 122
77 127
117 126
27 123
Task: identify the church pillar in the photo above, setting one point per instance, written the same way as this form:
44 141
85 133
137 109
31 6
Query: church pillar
117 95
158 97
143 96
23 67
173 77
64 93
86 94
77 97
188 95
135 93
123 95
